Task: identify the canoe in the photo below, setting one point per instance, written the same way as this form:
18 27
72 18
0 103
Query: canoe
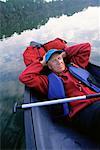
42 132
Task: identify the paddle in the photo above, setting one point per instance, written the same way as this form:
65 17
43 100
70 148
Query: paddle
52 102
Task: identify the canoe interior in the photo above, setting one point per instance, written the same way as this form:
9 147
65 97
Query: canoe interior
43 133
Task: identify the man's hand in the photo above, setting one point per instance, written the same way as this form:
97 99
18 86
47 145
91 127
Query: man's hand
63 54
43 62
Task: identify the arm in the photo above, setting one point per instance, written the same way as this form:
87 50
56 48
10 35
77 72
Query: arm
79 54
33 78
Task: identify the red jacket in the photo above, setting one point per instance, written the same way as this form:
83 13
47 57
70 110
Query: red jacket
79 54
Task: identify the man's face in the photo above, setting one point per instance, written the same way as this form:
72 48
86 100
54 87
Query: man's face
56 63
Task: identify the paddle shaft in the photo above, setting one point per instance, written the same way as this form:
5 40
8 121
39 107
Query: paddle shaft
59 101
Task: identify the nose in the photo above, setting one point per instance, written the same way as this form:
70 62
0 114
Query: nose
59 61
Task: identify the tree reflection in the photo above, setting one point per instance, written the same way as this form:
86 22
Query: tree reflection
20 15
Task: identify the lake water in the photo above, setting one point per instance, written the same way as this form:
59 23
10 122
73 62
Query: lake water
82 27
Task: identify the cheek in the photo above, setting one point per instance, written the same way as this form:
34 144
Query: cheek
63 65
50 66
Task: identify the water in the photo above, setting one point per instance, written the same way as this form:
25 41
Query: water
81 27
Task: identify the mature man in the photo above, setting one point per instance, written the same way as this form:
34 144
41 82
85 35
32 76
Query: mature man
85 113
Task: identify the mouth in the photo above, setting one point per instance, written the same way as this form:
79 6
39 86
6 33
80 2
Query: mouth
61 66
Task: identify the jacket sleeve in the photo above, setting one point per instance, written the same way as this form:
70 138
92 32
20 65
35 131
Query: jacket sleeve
33 78
79 54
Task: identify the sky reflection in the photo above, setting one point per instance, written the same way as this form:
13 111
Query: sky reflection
81 27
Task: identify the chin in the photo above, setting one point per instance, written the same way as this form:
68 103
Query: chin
60 70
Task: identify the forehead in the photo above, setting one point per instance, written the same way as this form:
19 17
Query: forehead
54 55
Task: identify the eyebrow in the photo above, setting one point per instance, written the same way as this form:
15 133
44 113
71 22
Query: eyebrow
55 58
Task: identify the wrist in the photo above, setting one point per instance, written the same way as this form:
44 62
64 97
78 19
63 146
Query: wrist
43 63
64 54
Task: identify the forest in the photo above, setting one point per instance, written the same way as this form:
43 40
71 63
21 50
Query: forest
19 15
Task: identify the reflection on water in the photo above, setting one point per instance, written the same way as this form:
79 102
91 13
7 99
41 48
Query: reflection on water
81 27
20 15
